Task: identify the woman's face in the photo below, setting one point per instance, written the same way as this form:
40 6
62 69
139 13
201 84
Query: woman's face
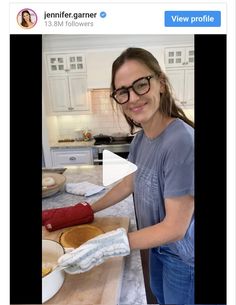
141 109
26 16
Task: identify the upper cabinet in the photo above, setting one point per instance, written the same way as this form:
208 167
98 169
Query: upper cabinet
63 63
182 82
68 93
66 83
179 57
179 62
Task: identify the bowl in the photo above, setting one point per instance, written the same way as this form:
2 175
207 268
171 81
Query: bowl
58 186
51 282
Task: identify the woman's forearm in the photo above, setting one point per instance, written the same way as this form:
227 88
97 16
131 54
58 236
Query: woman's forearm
179 212
115 195
152 236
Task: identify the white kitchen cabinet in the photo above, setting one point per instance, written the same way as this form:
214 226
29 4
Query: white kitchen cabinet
62 63
65 88
67 156
182 81
179 57
68 93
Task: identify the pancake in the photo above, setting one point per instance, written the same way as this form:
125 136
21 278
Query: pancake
78 235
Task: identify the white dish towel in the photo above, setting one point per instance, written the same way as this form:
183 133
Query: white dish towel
83 188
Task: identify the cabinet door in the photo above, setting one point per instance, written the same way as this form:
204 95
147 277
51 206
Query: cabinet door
179 57
182 81
59 93
63 63
78 93
189 56
76 63
57 63
176 78
189 88
174 57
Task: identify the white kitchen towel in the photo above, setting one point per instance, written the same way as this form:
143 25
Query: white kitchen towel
83 188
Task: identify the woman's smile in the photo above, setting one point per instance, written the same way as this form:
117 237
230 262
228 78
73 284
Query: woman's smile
137 108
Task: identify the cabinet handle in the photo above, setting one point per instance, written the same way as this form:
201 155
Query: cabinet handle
70 108
72 158
183 102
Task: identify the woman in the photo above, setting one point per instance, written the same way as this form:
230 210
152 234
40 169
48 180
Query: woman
26 19
163 185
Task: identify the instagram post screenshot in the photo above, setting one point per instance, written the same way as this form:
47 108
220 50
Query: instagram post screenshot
122 153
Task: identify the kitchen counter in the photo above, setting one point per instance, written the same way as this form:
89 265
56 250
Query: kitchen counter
132 289
74 144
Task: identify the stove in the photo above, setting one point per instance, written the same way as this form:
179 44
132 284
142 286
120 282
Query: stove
112 140
107 142
120 149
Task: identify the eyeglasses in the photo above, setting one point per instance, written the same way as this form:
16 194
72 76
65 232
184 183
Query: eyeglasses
140 86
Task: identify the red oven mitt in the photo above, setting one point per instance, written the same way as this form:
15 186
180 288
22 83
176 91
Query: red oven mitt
55 219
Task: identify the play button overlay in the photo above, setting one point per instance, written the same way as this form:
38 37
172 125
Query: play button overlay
115 167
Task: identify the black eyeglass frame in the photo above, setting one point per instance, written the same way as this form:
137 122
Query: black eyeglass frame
132 86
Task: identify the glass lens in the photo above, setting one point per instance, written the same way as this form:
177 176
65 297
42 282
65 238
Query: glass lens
122 95
141 86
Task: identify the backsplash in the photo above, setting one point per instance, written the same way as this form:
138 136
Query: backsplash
103 119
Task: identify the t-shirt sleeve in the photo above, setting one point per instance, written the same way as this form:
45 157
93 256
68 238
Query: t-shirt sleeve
179 169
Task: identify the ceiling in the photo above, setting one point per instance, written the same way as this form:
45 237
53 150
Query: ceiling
113 41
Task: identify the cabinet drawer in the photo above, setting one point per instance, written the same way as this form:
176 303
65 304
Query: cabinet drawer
63 157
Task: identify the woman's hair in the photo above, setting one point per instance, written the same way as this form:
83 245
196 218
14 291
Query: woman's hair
24 23
168 106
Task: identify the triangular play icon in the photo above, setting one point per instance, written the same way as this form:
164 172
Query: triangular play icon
115 167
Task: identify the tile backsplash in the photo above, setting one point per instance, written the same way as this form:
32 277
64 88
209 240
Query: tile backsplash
102 119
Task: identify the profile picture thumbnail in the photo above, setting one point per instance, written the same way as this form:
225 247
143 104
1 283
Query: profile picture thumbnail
27 18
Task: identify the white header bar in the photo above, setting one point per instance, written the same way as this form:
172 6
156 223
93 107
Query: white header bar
119 18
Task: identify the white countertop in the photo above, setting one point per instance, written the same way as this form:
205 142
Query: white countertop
74 144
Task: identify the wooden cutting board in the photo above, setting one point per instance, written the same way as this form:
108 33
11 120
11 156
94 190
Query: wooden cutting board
99 286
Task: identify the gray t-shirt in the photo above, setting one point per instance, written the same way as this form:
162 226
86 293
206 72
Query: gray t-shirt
165 169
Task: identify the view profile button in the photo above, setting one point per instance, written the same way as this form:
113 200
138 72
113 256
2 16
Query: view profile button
192 18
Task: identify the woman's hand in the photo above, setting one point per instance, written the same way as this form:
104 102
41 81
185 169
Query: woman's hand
95 251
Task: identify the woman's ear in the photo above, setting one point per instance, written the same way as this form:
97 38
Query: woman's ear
162 85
